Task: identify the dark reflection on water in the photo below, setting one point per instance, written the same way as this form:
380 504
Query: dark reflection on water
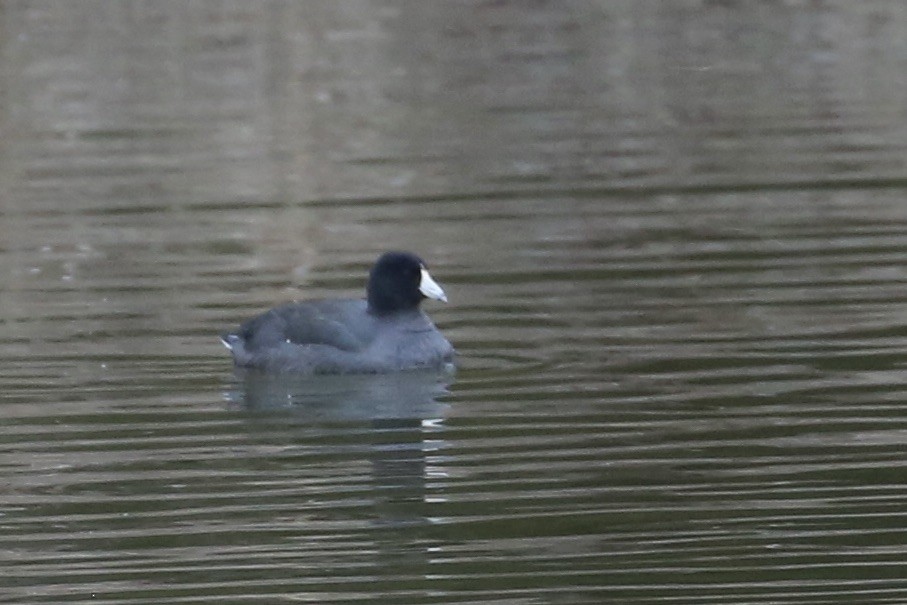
394 422
405 395
673 236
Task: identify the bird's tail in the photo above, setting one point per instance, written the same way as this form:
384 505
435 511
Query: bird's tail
237 346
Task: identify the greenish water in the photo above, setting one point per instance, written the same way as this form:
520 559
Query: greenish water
673 238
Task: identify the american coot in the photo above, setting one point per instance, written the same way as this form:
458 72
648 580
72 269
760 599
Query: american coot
387 332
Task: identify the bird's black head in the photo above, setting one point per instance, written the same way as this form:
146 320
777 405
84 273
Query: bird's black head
399 281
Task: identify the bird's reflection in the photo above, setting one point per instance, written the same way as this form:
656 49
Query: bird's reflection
344 398
404 422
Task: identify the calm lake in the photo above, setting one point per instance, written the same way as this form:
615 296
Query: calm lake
673 236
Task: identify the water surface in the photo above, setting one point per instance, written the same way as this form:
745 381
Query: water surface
672 235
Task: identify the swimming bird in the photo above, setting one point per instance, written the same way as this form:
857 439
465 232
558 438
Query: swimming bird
385 332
